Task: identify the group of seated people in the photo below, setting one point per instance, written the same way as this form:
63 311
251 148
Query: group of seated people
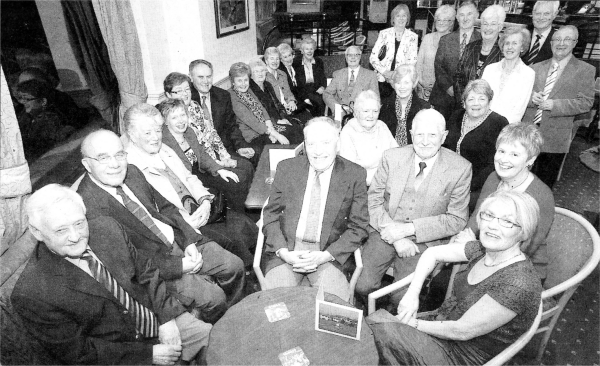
396 181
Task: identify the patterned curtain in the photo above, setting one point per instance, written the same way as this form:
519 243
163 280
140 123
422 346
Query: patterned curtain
117 25
15 185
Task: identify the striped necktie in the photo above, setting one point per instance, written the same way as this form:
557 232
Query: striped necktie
463 44
535 49
314 208
421 176
550 81
142 215
145 320
351 84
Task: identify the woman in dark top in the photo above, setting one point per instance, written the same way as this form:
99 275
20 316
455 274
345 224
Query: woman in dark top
495 299
472 131
399 108
480 53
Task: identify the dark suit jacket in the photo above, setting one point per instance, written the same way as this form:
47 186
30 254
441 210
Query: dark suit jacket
467 66
388 113
345 220
318 75
545 51
445 64
223 118
100 203
75 317
205 162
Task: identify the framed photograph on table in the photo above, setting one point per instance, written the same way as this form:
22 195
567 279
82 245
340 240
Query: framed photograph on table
231 16
337 319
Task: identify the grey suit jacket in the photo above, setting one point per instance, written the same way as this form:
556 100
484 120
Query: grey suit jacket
446 210
573 94
281 82
337 90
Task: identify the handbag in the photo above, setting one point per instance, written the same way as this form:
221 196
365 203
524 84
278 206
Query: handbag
382 53
218 207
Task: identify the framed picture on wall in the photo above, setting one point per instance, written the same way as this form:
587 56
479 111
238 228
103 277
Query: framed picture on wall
231 16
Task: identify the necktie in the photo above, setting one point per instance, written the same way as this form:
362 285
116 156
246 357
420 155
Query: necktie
421 176
145 320
463 44
205 110
141 215
314 208
351 84
550 81
535 49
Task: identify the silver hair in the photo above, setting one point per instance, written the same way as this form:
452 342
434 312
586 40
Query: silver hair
137 111
284 47
256 63
351 48
479 86
525 134
87 141
48 196
323 120
494 11
555 5
271 51
525 37
308 40
365 95
404 70
429 116
445 9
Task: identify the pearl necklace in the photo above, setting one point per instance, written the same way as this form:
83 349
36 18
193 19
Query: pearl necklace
499 263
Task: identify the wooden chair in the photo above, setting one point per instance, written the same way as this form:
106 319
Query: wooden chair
260 247
573 251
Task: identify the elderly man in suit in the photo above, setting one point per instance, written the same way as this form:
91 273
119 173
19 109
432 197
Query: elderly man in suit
419 195
189 261
348 82
89 297
317 214
544 13
563 88
218 104
448 54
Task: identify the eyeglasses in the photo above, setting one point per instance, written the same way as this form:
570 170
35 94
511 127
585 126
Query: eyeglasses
563 40
486 216
353 55
181 92
26 99
105 159
489 24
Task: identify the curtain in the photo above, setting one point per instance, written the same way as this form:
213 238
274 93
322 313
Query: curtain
14 171
117 25
92 55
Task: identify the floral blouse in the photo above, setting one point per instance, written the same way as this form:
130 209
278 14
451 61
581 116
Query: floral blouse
206 133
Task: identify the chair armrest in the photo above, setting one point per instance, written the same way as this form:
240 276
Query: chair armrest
388 289
356 273
260 240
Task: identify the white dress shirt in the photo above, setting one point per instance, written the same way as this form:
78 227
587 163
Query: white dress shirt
324 179
355 73
429 164
543 37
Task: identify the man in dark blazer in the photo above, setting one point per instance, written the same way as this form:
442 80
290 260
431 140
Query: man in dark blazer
418 197
71 312
544 13
310 90
448 56
317 214
572 94
185 258
218 102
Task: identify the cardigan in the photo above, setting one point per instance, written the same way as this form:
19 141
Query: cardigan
205 162
250 126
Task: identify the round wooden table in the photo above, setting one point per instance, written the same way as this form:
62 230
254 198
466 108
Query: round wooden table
244 335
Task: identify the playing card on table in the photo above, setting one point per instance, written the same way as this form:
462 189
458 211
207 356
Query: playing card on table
277 312
294 357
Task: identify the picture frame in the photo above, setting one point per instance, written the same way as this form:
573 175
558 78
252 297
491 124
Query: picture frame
231 16
343 321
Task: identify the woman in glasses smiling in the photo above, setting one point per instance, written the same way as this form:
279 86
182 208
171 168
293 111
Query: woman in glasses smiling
495 299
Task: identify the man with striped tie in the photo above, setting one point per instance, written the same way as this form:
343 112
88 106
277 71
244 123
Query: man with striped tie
563 88
89 297
543 15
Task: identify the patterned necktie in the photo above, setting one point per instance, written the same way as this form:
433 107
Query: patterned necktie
463 44
421 176
550 81
205 110
145 320
141 215
351 83
535 49
314 208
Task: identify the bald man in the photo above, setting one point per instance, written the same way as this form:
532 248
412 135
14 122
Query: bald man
418 197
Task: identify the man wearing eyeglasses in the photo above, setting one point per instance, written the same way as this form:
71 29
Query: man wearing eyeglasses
563 88
544 13
348 82
191 263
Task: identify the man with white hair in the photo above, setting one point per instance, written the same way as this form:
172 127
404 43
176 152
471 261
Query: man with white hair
316 216
419 196
89 297
348 82
544 13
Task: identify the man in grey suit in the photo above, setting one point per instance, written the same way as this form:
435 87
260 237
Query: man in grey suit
447 56
348 82
563 88
419 195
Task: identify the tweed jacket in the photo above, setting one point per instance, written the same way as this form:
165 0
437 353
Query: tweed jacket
337 90
281 84
467 66
573 94
345 219
407 52
446 210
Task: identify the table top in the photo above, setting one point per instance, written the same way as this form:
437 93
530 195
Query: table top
260 189
245 336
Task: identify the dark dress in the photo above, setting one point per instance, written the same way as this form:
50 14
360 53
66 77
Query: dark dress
478 146
387 113
40 132
469 67
516 287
